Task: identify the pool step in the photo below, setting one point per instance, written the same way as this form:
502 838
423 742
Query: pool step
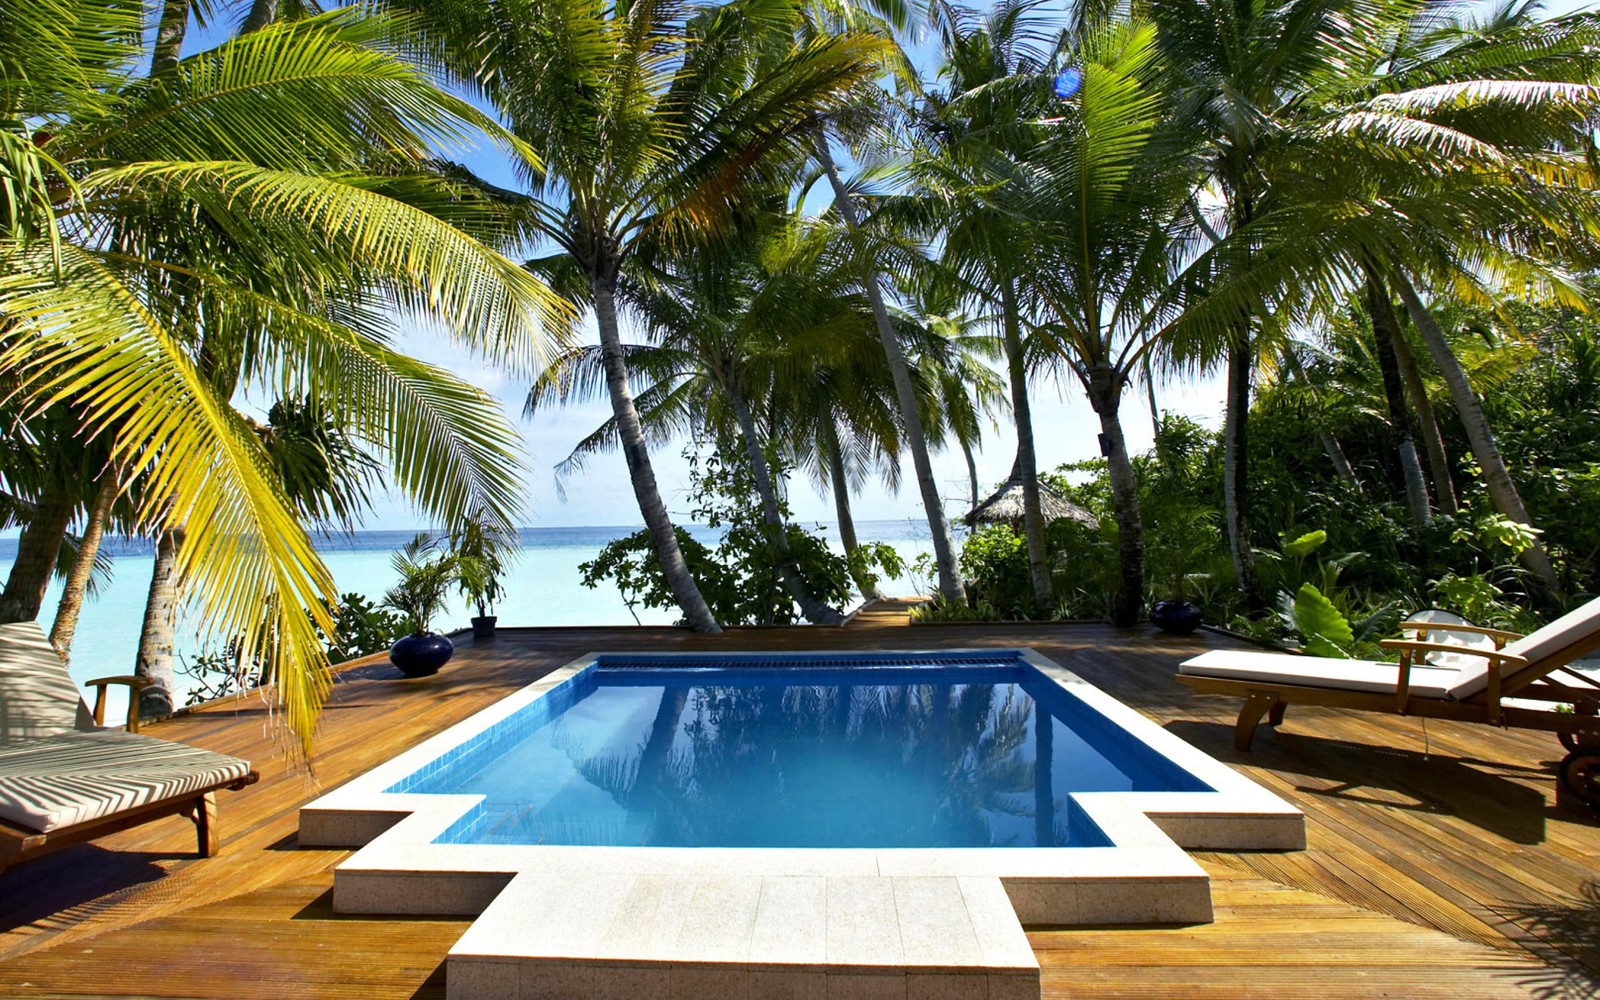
605 935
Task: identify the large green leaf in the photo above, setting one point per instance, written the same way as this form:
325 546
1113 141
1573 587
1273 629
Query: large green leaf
1323 630
1306 544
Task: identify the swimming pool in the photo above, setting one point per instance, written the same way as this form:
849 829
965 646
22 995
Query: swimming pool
807 823
833 751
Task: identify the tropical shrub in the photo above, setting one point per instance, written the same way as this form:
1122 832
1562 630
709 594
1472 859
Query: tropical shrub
361 627
994 561
740 579
426 575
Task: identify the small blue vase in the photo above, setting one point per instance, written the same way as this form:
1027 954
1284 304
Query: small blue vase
421 655
1175 617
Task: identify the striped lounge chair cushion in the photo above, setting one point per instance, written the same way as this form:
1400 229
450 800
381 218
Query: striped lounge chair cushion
71 778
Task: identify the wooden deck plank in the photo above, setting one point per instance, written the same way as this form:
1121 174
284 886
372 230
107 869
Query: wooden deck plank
1450 873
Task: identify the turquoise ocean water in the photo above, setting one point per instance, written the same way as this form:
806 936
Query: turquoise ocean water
542 586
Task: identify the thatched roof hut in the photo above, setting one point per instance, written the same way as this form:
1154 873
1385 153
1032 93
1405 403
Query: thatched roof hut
1004 506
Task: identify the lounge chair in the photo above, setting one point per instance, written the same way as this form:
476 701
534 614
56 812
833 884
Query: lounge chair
1448 669
65 779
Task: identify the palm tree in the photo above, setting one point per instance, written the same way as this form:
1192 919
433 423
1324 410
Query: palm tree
1414 145
952 360
1115 203
653 122
48 466
916 439
972 184
860 121
79 579
839 420
273 198
730 333
1514 92
1240 74
1386 332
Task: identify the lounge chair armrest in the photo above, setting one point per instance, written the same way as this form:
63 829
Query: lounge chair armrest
135 685
1500 635
1418 646
134 682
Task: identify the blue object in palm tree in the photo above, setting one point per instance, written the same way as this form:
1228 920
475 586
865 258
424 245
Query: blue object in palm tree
1068 82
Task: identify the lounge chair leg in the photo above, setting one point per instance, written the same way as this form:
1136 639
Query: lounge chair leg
1255 706
1275 717
207 843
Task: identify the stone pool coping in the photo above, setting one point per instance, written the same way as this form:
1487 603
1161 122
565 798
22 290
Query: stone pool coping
590 920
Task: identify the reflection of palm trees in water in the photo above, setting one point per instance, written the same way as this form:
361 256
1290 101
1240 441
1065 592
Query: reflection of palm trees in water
838 764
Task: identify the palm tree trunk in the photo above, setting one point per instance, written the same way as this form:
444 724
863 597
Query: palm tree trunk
1044 591
657 752
1341 462
972 468
262 13
950 586
841 507
1385 328
817 612
1502 489
637 453
1044 786
38 550
1150 396
1236 469
1444 487
170 33
71 603
1104 395
157 638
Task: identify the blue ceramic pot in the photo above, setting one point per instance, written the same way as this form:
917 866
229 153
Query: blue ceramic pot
1176 617
421 655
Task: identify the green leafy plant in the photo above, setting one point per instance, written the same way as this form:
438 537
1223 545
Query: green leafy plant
426 574
361 627
994 561
480 550
942 611
1324 628
869 559
1498 530
740 579
1324 631
632 565
216 673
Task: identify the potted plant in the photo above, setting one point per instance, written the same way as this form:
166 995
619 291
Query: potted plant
425 578
479 552
1177 615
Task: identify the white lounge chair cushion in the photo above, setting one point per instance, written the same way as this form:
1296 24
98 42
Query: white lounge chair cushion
1318 672
1570 637
1454 676
71 778
1557 644
37 696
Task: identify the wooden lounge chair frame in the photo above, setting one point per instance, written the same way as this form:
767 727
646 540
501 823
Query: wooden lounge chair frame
18 843
1508 676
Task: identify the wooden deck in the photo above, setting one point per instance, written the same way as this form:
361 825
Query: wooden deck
1439 863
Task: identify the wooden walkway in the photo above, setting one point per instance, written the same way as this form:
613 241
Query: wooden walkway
1439 863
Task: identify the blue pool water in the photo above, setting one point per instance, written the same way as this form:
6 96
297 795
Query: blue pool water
815 750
